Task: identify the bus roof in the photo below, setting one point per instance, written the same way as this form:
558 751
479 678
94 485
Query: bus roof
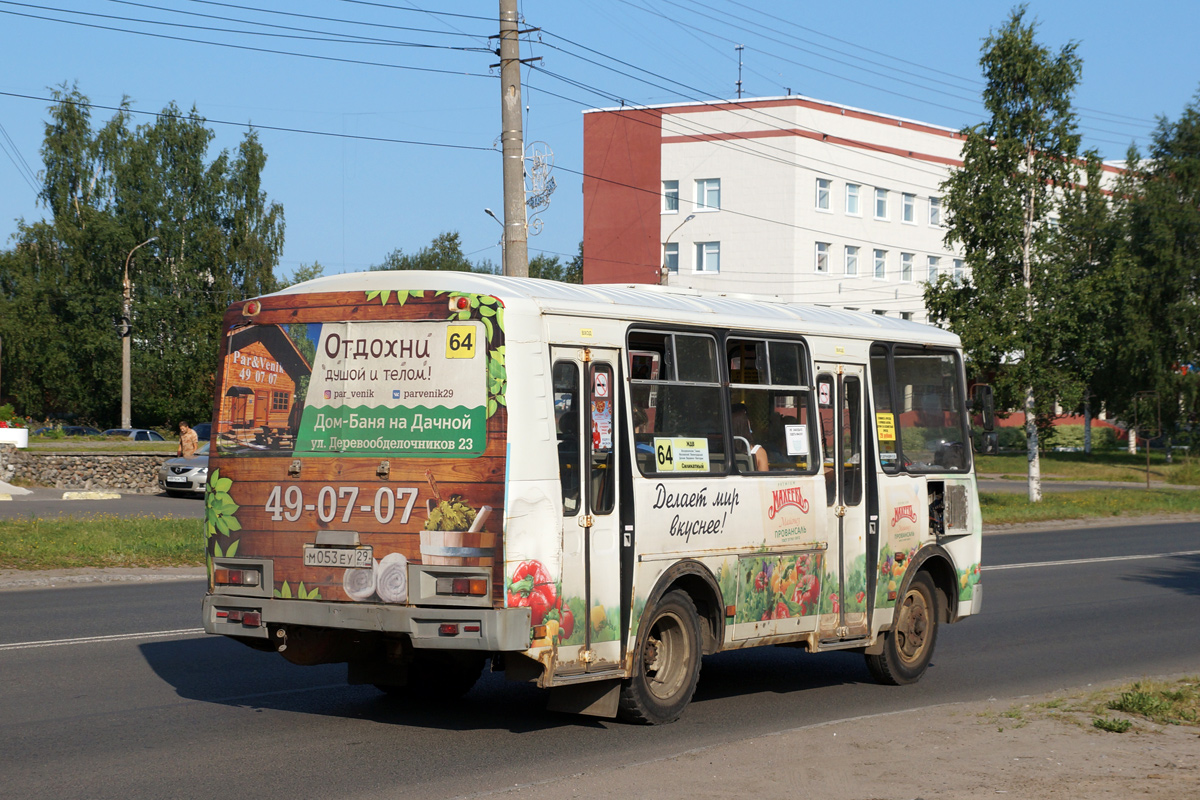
641 303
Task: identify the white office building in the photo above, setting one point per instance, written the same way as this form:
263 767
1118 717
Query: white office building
789 196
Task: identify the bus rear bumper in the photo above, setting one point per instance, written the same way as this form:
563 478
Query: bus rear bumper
479 629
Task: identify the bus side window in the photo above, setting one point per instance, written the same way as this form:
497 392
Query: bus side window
567 408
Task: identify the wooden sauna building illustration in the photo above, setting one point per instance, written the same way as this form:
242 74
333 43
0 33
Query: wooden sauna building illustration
265 377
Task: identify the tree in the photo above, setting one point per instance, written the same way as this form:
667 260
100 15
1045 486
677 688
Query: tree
1157 330
107 190
303 273
1087 248
443 253
1015 165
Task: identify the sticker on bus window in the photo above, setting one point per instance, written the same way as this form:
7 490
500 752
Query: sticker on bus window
797 439
885 424
601 424
680 454
601 384
823 394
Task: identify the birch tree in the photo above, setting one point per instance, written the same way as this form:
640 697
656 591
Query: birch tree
1000 205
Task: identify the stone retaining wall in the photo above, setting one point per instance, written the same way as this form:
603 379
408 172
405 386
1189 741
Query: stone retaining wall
128 473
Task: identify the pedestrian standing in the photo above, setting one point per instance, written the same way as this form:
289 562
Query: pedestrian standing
188 441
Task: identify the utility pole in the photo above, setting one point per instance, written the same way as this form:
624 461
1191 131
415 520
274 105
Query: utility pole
516 234
739 49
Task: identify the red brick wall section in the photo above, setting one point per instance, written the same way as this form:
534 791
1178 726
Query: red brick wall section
622 162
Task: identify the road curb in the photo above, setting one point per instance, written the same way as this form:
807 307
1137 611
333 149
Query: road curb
91 496
15 580
4 497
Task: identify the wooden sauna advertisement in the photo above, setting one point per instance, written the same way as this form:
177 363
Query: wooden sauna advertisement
386 446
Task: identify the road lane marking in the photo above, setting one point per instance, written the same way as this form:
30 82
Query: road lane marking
116 637
1090 560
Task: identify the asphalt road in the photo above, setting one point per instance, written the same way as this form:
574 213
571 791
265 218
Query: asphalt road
150 714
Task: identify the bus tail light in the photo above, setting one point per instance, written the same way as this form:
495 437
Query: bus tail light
235 577
448 629
468 587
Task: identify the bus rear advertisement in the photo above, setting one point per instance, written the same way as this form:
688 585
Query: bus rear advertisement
588 487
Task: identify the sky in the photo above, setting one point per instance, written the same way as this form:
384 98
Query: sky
381 120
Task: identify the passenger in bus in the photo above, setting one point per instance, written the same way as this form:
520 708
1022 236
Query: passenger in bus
640 434
776 446
743 439
568 460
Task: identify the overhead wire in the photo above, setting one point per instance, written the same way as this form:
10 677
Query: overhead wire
255 125
326 37
18 160
249 48
835 75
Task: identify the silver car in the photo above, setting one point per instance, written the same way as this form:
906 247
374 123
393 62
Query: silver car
185 475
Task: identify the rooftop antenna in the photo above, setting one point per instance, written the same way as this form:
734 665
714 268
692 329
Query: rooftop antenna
739 49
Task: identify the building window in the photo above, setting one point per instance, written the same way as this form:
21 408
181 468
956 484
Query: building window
708 256
908 208
822 256
906 315
906 266
881 265
671 257
851 260
708 194
879 312
823 194
935 211
881 204
958 270
279 401
934 264
852 199
670 197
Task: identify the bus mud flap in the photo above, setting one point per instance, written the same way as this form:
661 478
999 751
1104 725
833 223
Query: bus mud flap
593 698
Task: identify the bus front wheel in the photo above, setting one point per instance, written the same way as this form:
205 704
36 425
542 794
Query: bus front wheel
667 665
908 646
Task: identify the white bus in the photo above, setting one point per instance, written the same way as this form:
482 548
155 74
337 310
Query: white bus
591 486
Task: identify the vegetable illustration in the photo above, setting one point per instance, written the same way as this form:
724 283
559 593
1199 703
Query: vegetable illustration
566 622
598 617
531 587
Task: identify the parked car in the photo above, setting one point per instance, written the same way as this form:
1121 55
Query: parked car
137 434
203 431
68 430
185 475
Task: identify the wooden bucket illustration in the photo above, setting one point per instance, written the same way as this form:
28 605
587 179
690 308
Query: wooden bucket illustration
470 548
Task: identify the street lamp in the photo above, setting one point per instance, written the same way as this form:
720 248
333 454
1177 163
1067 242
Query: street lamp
126 336
662 275
503 265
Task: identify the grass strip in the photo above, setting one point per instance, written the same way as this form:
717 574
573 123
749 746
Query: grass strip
1184 469
101 540
1003 508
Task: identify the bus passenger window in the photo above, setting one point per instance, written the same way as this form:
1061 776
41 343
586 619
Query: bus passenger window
567 409
768 385
677 405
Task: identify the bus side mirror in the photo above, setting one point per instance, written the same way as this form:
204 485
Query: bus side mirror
986 403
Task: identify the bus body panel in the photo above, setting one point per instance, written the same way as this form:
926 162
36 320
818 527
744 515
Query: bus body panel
569 575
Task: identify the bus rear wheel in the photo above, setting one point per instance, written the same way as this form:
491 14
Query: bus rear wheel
908 646
667 664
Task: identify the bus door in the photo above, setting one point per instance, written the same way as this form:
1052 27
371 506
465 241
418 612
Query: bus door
840 402
587 412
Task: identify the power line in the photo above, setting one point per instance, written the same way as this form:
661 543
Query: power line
342 20
256 126
14 155
248 47
325 37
